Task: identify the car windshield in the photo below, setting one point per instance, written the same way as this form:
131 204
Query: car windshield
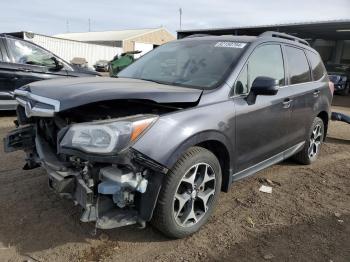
201 64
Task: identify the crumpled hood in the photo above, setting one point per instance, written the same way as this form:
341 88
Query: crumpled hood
74 92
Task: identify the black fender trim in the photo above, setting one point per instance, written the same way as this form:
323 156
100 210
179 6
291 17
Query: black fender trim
149 199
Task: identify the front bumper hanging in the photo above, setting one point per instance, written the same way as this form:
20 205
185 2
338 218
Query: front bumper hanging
119 196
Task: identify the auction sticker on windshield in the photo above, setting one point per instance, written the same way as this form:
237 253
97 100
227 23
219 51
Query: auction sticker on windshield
230 44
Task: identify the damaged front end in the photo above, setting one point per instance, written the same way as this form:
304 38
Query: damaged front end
93 163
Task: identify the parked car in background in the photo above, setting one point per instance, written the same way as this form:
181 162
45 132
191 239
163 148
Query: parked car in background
80 62
22 62
159 142
101 66
339 74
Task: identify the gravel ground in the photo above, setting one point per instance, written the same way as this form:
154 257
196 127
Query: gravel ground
306 218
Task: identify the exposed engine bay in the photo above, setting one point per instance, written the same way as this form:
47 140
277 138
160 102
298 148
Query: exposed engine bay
115 186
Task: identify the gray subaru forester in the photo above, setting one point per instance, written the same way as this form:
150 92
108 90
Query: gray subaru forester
161 140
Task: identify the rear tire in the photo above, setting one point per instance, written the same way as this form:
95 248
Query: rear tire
189 193
312 146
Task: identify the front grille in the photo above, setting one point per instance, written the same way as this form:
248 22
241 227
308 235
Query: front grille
35 105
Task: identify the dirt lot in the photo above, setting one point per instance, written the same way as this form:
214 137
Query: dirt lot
306 218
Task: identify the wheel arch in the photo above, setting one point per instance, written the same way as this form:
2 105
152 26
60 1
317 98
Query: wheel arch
216 143
325 118
222 154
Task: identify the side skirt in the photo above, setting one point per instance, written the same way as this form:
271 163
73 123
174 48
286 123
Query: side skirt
268 162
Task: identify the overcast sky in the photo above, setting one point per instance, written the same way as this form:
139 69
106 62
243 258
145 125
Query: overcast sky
50 17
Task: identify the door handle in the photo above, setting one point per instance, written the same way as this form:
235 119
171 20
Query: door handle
316 93
287 102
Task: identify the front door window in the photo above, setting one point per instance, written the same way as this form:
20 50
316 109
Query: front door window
267 61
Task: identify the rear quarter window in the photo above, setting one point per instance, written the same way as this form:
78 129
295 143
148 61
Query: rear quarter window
317 68
298 66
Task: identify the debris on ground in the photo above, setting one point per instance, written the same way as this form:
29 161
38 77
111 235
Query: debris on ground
268 256
241 202
250 222
337 214
265 189
340 117
272 183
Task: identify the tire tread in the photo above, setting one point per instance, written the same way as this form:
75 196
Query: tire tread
159 217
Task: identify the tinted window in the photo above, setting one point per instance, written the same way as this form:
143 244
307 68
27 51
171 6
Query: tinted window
298 66
267 61
195 63
26 53
317 67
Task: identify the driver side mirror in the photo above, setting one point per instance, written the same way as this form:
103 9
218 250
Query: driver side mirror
262 85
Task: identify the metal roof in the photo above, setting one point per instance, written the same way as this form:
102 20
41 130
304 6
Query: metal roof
119 35
331 29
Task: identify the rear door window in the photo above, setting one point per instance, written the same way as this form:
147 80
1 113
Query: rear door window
317 68
266 60
298 67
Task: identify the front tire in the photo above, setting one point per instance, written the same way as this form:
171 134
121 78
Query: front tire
312 147
189 193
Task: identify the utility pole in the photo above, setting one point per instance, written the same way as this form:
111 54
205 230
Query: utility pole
180 12
89 25
67 26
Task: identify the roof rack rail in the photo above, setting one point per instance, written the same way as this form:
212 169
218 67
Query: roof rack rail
284 36
196 35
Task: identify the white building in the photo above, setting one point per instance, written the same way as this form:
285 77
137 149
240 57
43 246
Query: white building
129 40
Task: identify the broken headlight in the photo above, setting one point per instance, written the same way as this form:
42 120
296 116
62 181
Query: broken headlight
106 137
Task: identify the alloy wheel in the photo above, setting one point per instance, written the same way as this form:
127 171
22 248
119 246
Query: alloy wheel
315 141
193 197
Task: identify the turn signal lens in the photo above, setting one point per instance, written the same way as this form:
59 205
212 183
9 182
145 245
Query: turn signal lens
139 126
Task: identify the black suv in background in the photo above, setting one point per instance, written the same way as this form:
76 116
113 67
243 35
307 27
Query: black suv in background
22 62
339 74
159 142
